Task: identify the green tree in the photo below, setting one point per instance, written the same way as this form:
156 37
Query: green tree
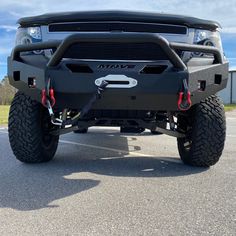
7 92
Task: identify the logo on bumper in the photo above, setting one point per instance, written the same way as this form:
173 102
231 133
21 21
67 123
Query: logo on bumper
115 66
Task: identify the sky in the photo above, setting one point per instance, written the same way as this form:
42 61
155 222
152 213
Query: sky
222 11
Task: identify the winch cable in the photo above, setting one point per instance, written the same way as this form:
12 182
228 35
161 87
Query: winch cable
97 95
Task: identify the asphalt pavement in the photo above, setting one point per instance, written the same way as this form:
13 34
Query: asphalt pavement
107 183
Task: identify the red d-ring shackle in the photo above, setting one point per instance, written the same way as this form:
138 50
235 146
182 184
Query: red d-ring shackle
51 97
184 100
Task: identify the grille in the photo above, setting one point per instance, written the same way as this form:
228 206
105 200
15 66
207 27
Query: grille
117 26
116 51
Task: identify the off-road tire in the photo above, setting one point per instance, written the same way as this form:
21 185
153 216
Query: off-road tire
206 130
29 125
81 131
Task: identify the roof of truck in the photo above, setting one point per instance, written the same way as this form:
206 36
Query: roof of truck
114 15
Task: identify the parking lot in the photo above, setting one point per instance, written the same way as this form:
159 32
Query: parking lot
107 183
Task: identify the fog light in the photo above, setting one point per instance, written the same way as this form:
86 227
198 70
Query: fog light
208 42
26 40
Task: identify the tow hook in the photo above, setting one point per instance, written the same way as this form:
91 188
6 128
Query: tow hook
184 101
48 95
48 100
100 89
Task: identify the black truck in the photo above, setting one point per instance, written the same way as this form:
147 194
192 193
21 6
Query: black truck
133 70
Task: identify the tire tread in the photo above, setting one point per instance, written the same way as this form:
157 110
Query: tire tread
208 134
25 132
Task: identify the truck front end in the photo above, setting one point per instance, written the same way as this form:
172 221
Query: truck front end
123 69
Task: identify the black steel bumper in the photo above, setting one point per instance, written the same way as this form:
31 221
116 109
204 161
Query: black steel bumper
153 91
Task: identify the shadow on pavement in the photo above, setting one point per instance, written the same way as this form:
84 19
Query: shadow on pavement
30 187
34 187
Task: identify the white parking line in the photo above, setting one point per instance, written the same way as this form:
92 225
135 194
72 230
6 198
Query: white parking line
123 152
231 118
98 147
118 151
111 149
3 132
106 148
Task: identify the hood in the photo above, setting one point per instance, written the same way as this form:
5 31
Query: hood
130 16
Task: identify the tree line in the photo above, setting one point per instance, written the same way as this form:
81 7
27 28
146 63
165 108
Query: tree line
7 92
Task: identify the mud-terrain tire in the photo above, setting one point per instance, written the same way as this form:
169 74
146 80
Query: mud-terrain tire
29 125
81 131
206 131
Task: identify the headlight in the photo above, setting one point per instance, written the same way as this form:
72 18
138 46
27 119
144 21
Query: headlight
28 36
35 33
207 38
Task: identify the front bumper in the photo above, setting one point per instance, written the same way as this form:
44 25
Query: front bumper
153 91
